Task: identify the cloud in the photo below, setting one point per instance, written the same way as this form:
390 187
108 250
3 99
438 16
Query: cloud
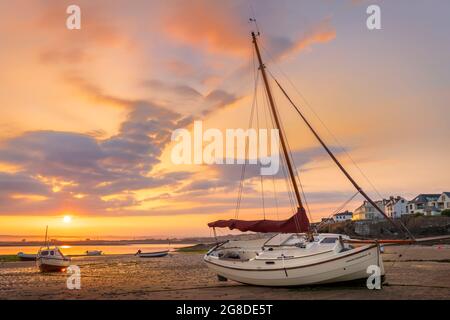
184 91
186 95
212 25
61 165
20 183
94 92
220 27
282 47
228 176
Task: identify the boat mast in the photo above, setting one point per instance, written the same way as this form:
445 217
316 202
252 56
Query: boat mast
336 161
46 233
262 67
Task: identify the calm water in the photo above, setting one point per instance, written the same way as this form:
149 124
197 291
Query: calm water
79 250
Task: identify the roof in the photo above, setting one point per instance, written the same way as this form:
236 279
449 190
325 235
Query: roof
447 193
425 197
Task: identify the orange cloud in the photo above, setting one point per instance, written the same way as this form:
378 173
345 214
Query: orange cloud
321 33
217 27
212 25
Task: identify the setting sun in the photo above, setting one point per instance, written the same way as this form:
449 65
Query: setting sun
67 219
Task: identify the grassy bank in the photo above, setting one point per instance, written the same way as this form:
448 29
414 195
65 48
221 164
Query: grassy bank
198 248
9 258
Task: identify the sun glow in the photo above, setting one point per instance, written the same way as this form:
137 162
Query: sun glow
67 219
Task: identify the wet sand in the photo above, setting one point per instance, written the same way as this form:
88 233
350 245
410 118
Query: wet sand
420 273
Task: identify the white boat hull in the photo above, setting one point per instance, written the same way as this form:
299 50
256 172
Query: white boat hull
341 267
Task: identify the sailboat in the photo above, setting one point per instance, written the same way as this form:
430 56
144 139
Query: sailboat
296 255
50 258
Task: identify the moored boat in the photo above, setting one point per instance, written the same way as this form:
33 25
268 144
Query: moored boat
26 256
51 259
94 252
156 254
293 260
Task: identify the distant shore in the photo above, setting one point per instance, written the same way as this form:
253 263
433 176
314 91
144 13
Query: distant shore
91 242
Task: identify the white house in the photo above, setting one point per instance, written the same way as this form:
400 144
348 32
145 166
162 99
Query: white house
444 201
426 204
368 212
396 207
343 216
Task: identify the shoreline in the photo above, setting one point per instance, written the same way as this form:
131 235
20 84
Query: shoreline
196 248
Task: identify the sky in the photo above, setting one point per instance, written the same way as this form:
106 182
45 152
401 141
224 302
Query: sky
86 116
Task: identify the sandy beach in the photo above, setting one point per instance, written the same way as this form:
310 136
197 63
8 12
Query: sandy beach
414 272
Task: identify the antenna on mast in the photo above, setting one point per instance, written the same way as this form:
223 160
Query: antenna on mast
253 20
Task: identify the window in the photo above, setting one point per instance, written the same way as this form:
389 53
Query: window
44 253
52 253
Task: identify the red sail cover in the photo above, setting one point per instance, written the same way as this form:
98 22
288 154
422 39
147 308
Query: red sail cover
297 223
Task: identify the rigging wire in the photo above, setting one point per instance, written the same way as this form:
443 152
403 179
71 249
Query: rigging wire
320 120
295 168
260 175
254 102
266 117
405 230
289 187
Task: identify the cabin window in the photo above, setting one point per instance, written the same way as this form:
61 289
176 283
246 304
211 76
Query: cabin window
329 240
44 253
52 253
